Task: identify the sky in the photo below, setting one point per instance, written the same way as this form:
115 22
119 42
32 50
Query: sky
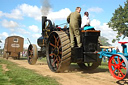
23 17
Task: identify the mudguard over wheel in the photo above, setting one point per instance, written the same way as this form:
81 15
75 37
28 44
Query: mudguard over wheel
58 51
118 66
32 54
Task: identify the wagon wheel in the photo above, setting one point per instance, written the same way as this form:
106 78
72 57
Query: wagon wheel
18 56
118 66
7 55
90 66
32 54
4 54
58 51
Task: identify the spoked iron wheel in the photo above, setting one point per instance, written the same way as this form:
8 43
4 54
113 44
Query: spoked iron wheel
118 66
58 51
90 66
32 54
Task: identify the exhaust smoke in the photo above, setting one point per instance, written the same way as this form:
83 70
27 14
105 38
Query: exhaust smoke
45 7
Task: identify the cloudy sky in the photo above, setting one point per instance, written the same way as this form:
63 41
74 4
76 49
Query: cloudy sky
23 17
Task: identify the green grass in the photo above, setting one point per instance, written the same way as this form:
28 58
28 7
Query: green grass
22 76
43 60
104 65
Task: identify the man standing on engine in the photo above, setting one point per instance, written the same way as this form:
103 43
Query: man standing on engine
74 20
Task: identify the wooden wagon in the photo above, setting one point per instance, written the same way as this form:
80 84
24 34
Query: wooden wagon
13 46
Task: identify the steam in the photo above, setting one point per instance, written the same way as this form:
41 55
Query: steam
45 7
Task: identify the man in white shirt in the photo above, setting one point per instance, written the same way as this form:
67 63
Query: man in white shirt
85 20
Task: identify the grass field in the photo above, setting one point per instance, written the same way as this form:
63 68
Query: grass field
11 74
104 65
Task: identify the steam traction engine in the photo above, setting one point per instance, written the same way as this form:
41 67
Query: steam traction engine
55 46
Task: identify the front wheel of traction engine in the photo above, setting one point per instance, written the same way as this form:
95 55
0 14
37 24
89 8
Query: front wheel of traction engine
32 54
58 51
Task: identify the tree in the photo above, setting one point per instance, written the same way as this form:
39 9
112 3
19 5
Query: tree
0 42
119 21
104 41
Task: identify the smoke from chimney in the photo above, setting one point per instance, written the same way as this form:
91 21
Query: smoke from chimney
45 7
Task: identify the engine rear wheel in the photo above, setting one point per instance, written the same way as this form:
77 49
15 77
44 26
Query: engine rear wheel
32 54
58 51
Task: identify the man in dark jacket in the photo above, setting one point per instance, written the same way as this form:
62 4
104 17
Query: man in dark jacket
74 20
